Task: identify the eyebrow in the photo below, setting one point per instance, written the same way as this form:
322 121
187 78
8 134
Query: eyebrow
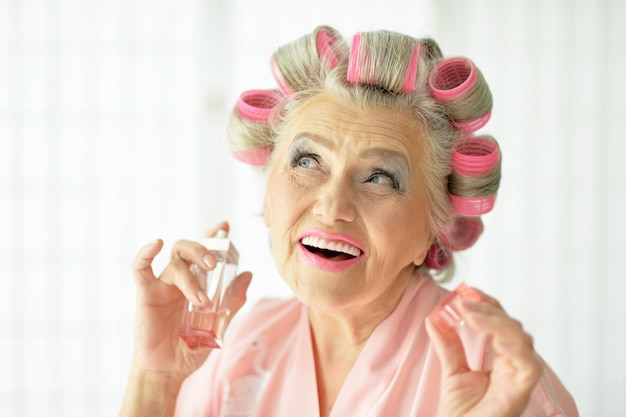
378 152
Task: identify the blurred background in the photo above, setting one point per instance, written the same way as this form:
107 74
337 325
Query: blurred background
112 133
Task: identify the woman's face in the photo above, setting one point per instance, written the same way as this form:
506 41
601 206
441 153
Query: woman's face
346 204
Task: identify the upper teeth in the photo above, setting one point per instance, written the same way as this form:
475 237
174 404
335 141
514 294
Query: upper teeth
333 245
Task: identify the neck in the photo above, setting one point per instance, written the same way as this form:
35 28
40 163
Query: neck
338 337
346 329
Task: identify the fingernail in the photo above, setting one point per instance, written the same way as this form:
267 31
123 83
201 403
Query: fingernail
209 261
202 297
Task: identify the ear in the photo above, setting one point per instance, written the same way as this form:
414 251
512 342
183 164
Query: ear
422 252
421 256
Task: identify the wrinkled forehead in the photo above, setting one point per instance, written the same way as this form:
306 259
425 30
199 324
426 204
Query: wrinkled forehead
337 118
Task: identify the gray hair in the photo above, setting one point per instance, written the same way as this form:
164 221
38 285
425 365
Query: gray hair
382 70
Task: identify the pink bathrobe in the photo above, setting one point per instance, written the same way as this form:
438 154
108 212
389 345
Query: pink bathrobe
266 367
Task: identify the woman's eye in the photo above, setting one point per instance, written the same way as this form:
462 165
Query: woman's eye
382 178
307 162
379 179
303 159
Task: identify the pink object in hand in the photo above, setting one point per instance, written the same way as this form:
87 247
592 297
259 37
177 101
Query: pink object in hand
445 315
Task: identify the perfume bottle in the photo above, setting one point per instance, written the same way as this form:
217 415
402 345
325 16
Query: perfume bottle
204 326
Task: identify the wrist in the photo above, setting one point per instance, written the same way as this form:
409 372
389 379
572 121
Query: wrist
151 393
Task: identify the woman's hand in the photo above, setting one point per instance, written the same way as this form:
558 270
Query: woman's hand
503 391
161 359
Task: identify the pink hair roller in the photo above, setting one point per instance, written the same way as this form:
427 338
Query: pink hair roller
409 84
463 232
472 206
451 78
354 58
475 156
255 157
353 66
328 56
324 42
459 84
439 257
470 126
445 316
277 77
257 105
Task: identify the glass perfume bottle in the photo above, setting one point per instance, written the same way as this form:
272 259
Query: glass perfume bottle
204 326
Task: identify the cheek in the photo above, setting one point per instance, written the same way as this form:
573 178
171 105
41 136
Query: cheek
404 234
284 203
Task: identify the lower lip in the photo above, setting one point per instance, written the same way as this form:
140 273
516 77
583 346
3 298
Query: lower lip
326 264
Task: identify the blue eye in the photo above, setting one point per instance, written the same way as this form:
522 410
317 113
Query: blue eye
307 162
384 178
379 179
303 159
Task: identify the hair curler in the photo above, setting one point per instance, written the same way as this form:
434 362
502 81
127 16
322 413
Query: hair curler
472 206
409 83
470 126
359 56
459 84
475 155
439 257
462 232
256 157
353 61
279 80
323 50
452 78
257 105
325 41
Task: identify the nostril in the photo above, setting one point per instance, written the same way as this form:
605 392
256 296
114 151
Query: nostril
334 207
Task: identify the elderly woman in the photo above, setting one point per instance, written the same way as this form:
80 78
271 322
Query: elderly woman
374 177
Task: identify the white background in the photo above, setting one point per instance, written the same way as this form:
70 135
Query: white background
112 133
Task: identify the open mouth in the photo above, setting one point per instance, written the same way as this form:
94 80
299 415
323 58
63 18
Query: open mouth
330 249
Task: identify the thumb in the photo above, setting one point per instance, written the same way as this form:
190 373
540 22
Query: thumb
236 292
142 264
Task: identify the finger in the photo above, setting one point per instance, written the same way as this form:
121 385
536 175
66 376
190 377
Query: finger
193 253
508 336
489 318
220 226
179 274
236 292
142 264
487 298
449 349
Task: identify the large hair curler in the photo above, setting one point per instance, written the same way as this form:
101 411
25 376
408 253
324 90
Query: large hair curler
439 257
475 155
472 206
323 50
257 105
462 232
460 86
363 68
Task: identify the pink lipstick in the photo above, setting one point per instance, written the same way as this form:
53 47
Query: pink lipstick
331 252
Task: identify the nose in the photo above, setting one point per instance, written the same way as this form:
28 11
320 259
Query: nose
335 202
